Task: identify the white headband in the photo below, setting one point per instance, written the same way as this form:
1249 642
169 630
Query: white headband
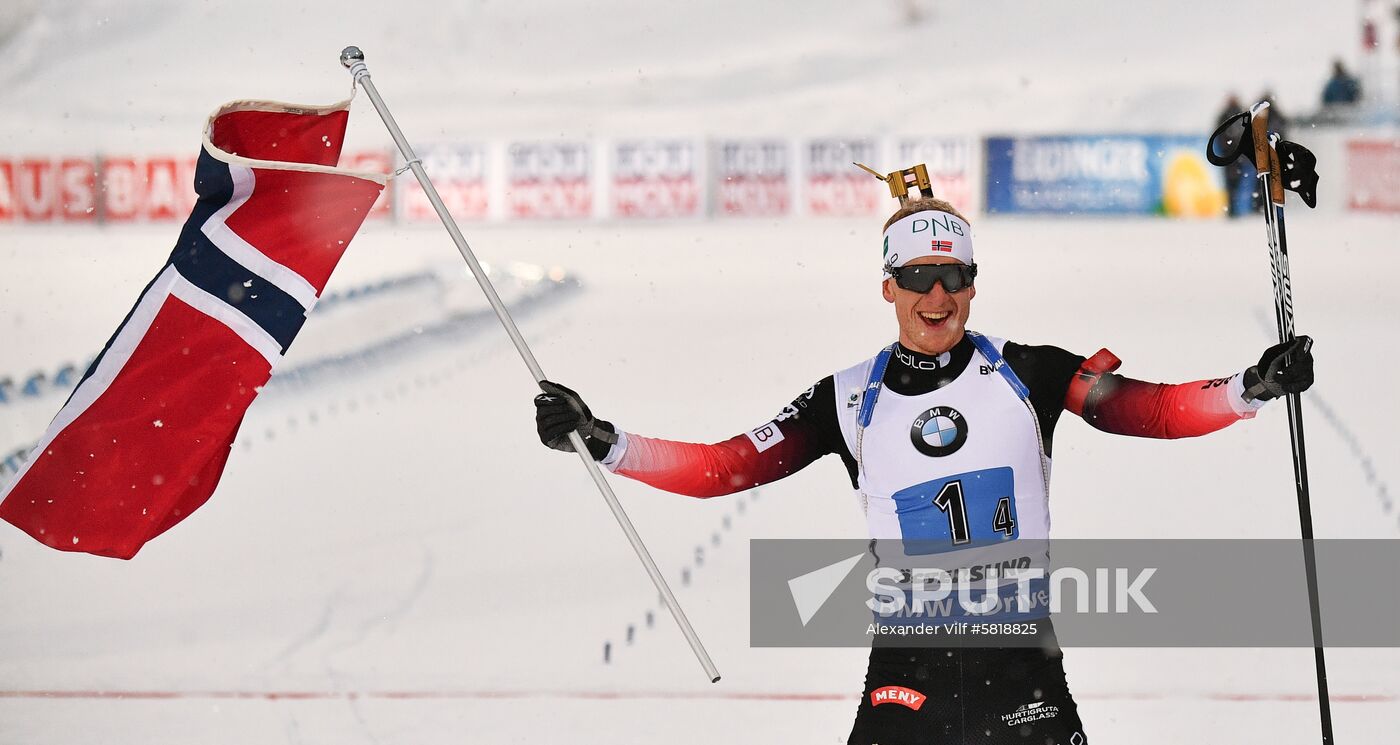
927 233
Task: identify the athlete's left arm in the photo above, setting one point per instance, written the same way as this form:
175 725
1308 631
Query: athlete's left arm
1121 405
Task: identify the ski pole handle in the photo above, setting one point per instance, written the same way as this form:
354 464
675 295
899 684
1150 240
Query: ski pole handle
1265 157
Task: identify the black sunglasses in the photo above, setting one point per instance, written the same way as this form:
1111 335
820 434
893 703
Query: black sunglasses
920 278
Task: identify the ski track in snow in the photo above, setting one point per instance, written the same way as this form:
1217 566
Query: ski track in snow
1319 403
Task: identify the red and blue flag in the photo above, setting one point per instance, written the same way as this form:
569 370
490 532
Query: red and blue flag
143 439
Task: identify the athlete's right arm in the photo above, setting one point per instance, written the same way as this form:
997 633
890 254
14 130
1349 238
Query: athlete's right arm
803 431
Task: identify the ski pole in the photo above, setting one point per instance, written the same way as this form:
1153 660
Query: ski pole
354 60
1271 189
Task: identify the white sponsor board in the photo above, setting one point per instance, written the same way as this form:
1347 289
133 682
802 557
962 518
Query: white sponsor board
459 174
753 178
549 180
951 166
657 179
834 186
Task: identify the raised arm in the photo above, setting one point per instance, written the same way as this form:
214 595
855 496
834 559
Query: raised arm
1120 405
789 442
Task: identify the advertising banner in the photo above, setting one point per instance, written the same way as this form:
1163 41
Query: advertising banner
458 172
1373 175
950 167
753 178
151 188
657 178
1103 174
8 206
36 189
833 186
169 188
44 189
375 161
549 180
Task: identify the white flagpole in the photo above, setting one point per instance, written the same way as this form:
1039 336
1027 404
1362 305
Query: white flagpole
354 60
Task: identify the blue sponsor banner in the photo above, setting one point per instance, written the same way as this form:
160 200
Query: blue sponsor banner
1103 174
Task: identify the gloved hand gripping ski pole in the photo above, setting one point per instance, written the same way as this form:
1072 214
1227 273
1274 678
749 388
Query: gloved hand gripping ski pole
354 60
1282 166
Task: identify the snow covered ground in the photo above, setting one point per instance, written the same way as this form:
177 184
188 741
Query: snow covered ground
374 566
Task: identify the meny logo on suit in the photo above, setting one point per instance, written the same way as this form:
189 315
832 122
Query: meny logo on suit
906 697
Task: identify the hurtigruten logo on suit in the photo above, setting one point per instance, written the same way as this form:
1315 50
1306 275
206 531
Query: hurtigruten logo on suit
1031 712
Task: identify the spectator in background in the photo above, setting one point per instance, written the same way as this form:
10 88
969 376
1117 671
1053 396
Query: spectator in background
1277 121
1342 89
1234 173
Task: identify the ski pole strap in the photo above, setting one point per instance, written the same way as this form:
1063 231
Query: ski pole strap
872 386
998 363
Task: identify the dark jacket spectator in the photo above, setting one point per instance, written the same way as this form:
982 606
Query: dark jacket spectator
1342 89
1234 173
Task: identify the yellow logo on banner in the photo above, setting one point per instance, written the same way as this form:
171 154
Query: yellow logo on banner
1188 189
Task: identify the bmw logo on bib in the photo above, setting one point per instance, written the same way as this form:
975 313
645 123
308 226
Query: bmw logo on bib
939 431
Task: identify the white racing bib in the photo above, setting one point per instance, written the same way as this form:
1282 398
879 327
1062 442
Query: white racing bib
961 466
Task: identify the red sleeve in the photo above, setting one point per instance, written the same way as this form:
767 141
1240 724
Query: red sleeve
805 430
1124 406
727 467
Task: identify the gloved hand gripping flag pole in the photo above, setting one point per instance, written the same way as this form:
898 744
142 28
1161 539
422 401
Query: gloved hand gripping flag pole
354 60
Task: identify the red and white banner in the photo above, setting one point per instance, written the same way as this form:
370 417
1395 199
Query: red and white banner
459 175
657 178
152 188
549 180
1373 175
834 186
47 189
950 167
753 178
374 161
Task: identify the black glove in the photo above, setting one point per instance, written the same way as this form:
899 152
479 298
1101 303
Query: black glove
1284 368
559 411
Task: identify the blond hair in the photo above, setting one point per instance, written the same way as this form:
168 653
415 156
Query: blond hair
923 204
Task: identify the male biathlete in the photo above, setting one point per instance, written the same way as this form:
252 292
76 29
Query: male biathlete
943 402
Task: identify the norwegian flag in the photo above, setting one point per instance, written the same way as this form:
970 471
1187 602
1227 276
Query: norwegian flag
142 440
942 245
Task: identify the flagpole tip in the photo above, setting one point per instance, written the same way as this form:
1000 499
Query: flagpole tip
350 55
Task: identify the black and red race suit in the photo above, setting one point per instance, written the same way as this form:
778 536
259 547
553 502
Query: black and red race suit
905 424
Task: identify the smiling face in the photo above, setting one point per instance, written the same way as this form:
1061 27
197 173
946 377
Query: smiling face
933 322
